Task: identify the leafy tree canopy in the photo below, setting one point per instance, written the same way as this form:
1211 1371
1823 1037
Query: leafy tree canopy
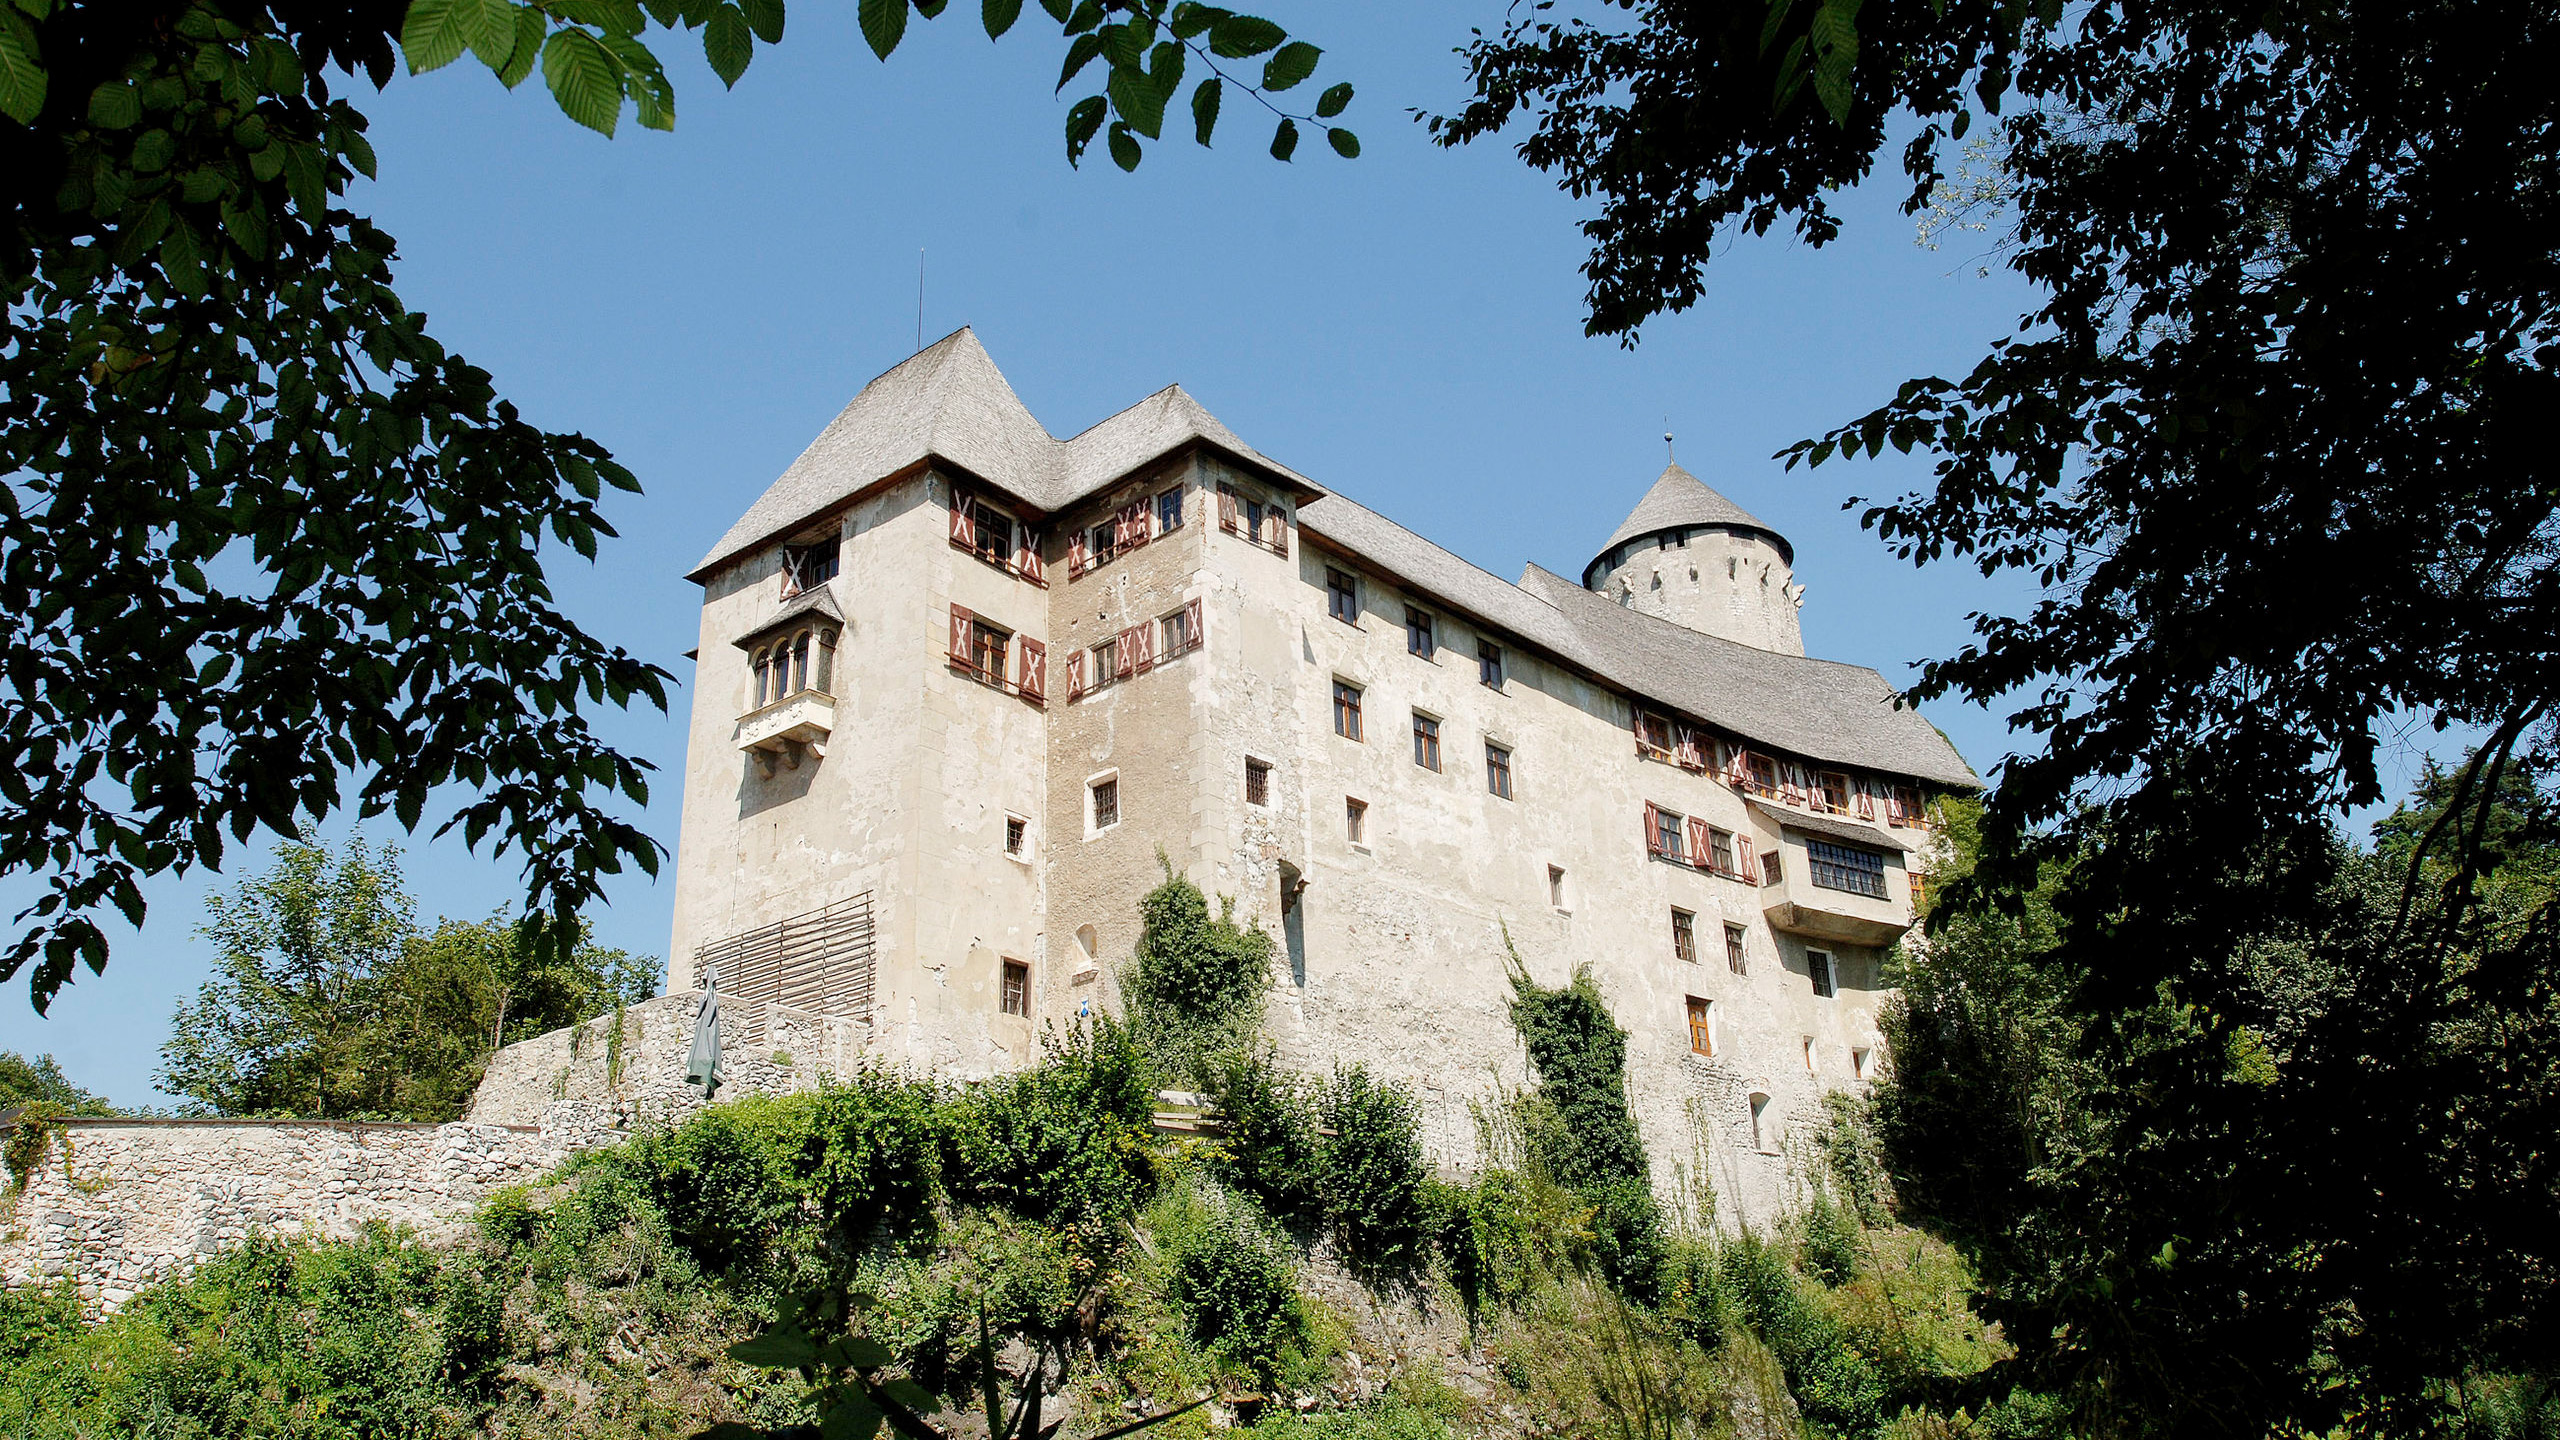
41 1082
329 1002
262 537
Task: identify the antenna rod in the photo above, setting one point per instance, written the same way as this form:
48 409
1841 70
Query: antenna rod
919 298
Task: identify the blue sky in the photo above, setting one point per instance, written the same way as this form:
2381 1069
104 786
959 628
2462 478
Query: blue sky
1405 328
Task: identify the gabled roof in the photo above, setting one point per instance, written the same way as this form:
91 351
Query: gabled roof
1818 709
1679 500
948 402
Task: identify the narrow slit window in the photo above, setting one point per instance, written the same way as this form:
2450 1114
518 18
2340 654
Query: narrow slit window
1355 820
1555 886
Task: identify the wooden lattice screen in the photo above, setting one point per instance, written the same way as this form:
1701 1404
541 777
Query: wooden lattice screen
820 961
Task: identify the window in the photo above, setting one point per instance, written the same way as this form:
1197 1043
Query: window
1919 892
987 649
1100 543
1253 521
1702 1026
1106 803
1720 851
1169 511
1017 989
1737 955
1497 770
1489 664
991 533
1684 936
1662 834
1770 874
1257 782
1763 775
1341 596
1177 632
1346 710
1825 972
1845 867
1555 886
806 567
1426 741
1835 792
1653 735
1417 633
1810 1065
1355 819
1016 831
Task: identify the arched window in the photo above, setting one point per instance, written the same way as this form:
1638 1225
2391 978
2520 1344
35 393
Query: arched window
826 661
1764 1130
763 680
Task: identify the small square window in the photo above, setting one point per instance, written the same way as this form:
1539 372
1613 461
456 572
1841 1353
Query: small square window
1017 988
1555 886
1355 820
1342 596
1489 664
1825 972
1106 803
1257 782
1770 874
1016 831
1497 770
1737 957
1177 633
1684 936
1417 633
1346 710
1426 741
1702 1026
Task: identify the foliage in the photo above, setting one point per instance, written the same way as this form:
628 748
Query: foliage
1195 986
1063 1143
1271 1147
1229 1272
1580 1129
41 1081
1372 1178
328 1001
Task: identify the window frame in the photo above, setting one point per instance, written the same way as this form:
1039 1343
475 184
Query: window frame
1169 510
1737 948
1497 770
1094 825
1013 992
1355 821
1822 967
796 577
1849 869
1017 836
1426 742
1421 634
1346 711
1257 782
1557 899
1489 671
1701 1011
1342 595
1684 935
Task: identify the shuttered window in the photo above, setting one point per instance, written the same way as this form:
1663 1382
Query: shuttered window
1034 679
1662 833
1720 852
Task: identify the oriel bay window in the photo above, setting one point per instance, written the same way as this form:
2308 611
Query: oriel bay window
794 662
790 709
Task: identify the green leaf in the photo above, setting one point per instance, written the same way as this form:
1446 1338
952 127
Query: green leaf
492 25
22 73
1284 141
1058 10
153 150
1239 36
776 1350
115 106
436 32
862 1352
727 44
884 24
1334 101
1191 20
531 26
585 78
1204 108
912 1395
852 1418
765 18
1295 62
1079 54
929 9
1344 143
1125 152
1082 121
999 16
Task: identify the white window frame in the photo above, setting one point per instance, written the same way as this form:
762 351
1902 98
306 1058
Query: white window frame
1119 804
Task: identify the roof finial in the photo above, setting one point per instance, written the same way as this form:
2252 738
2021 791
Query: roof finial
1667 452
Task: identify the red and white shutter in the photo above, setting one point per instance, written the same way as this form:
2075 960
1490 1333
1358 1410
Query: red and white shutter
1192 637
1652 828
964 531
1742 858
1145 630
1126 652
1034 683
960 637
1075 674
1078 557
1279 530
1227 509
1027 559
1737 767
1685 748
1700 853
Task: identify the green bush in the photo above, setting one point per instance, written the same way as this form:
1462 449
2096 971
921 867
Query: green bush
1064 1143
1827 1240
1836 1387
1229 1272
1271 1150
1196 984
718 1181
1371 1177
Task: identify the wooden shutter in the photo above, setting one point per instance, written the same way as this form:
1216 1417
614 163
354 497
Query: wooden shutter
1075 674
1227 509
1034 683
1701 854
964 531
1652 828
1737 767
1126 652
1742 858
1145 630
1866 799
1686 749
960 637
1027 559
1078 556
1279 530
1191 634
1128 528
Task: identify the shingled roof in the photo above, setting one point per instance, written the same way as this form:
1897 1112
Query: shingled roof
1818 709
948 402
1679 500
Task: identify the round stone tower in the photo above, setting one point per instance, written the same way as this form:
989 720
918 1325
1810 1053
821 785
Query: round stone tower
1694 558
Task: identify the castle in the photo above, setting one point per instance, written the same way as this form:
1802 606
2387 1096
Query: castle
960 682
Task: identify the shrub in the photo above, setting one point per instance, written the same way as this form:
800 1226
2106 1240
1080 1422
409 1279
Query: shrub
1579 1128
1371 1177
1196 983
1064 1143
1835 1386
1229 1273
1827 1240
1271 1150
718 1182
868 1155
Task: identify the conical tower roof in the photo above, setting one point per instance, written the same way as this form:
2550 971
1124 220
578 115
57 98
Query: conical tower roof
1679 500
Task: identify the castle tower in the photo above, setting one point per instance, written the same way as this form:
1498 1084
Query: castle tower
1694 558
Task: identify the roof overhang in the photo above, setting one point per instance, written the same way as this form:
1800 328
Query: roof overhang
1835 827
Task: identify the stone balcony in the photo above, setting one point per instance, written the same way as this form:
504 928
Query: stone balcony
780 729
